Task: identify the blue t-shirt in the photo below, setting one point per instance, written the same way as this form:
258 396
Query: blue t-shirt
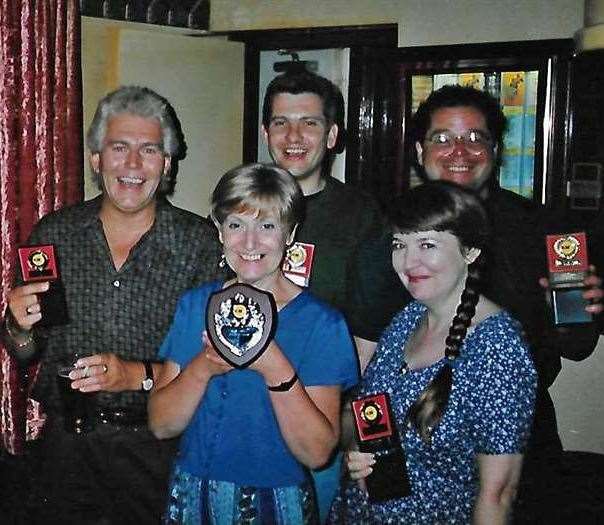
490 411
233 434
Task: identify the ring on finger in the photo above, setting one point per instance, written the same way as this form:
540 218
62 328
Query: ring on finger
28 310
86 372
105 369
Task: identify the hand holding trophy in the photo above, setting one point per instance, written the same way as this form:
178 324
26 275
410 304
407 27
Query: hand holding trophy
377 434
568 267
39 263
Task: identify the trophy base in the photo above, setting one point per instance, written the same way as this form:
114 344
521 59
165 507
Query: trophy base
389 477
569 305
53 304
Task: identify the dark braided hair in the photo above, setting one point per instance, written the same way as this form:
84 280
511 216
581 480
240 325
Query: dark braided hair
444 206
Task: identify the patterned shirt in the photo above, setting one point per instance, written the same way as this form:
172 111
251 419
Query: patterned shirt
489 411
126 311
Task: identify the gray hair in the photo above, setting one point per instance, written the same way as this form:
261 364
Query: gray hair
260 188
142 102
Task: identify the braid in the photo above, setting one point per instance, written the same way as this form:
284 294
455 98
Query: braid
428 409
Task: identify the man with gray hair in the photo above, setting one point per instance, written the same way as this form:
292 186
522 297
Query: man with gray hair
125 258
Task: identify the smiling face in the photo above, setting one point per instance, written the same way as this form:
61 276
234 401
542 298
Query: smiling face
131 162
432 265
471 167
254 244
298 135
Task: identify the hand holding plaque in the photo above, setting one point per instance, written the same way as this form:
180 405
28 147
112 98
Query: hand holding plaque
241 322
568 267
39 263
377 434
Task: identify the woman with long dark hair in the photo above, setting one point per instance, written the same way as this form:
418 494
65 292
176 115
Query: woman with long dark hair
459 375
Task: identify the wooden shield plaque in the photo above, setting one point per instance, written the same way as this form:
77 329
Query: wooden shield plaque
241 322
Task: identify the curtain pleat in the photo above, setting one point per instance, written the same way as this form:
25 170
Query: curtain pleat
40 159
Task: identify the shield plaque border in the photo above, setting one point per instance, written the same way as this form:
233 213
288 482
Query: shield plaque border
267 305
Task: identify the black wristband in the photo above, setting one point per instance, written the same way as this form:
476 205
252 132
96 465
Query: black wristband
285 386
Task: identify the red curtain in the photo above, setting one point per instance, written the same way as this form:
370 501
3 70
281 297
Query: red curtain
40 158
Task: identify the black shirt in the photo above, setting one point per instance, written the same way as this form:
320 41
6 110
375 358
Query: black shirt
338 221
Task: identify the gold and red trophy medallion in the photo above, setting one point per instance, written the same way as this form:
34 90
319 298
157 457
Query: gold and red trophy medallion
376 433
39 263
568 265
297 263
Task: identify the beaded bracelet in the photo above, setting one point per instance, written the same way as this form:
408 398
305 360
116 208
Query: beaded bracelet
285 386
14 336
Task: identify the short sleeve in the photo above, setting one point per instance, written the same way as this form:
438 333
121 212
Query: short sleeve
330 358
375 377
503 395
184 341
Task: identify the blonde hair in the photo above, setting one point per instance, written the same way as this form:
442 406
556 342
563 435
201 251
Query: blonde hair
258 188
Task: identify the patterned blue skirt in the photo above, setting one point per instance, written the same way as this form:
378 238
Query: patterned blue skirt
195 501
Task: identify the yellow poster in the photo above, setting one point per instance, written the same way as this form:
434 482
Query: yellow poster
513 85
421 87
473 80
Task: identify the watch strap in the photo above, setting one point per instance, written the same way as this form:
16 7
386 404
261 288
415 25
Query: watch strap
148 374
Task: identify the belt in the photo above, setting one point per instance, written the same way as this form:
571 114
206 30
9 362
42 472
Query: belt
120 417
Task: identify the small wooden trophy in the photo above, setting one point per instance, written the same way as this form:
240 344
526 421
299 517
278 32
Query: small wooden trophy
568 266
39 263
377 434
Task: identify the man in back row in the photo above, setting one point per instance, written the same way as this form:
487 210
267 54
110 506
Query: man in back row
126 256
458 136
302 123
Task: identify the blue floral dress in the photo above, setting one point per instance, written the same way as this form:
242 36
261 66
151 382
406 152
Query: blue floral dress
490 411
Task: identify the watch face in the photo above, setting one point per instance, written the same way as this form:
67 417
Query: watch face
147 384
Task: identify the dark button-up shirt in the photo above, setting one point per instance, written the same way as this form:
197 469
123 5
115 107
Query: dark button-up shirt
126 311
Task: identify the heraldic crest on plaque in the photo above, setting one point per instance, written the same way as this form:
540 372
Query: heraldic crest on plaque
241 322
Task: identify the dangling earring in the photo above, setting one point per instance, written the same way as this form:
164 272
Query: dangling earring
222 262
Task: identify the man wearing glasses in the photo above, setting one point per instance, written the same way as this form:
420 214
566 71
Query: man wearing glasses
458 136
